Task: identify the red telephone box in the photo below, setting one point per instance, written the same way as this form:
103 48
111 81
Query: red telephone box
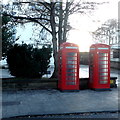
68 67
99 66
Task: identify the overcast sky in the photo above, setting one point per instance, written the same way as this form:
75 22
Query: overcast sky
87 23
83 24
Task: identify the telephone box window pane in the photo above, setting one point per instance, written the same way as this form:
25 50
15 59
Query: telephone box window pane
71 58
103 54
71 78
103 82
103 74
103 78
72 54
71 70
71 62
71 83
103 62
103 66
103 58
71 66
103 70
71 74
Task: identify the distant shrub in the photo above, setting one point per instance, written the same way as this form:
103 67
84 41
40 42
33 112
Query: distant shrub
26 61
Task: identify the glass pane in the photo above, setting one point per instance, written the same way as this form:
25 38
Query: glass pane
103 54
71 66
103 74
103 58
103 78
103 66
103 70
71 74
70 83
103 82
72 54
103 62
71 70
71 58
71 78
72 62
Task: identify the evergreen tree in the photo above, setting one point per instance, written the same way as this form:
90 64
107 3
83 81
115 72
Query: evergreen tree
26 61
8 34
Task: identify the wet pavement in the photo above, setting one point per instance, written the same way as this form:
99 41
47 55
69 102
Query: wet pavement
51 101
4 73
39 102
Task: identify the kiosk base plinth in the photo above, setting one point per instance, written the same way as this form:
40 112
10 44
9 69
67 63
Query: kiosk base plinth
69 90
102 89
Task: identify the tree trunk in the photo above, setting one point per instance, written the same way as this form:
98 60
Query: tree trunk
60 33
55 73
54 39
65 22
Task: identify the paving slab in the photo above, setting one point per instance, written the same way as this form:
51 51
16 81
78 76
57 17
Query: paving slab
38 102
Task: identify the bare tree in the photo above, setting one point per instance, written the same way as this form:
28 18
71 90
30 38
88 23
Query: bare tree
51 16
107 33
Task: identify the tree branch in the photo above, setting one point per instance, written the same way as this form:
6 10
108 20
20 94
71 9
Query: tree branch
31 19
45 4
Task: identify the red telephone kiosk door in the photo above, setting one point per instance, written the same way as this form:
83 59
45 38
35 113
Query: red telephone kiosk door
68 67
99 67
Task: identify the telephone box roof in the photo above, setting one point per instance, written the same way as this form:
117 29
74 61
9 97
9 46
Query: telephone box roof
68 44
99 45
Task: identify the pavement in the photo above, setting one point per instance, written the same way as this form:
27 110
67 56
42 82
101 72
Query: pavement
4 73
39 102
52 101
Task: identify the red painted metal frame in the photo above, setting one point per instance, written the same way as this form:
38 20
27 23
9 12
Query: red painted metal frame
62 68
95 77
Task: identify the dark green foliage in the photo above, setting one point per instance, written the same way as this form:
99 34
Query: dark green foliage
8 32
26 61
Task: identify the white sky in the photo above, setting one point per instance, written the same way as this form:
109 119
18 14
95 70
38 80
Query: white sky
83 24
88 23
